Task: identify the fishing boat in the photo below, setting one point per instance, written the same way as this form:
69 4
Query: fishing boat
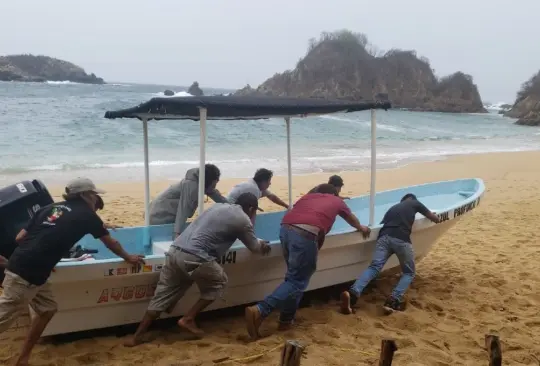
105 291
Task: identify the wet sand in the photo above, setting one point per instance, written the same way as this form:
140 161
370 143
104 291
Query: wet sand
482 277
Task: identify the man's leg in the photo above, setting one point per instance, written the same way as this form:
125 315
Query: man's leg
289 290
404 252
45 307
302 265
13 299
211 280
380 257
169 290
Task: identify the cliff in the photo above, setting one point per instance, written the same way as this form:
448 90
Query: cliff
527 105
345 65
195 90
32 68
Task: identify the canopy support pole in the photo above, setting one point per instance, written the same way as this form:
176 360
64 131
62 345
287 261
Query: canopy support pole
373 168
289 163
202 158
146 175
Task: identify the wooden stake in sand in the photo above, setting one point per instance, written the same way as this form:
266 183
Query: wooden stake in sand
388 347
291 353
493 346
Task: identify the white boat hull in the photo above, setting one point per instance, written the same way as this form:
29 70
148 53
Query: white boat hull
109 293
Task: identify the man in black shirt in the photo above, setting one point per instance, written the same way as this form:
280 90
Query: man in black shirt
394 238
49 234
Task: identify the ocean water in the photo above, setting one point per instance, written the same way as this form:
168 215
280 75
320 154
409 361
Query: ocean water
55 131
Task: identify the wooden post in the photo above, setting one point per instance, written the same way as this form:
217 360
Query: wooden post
388 347
493 346
291 353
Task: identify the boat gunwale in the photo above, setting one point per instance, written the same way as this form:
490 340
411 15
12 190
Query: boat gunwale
480 190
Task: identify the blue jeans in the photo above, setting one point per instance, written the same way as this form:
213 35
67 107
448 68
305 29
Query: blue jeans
301 258
385 247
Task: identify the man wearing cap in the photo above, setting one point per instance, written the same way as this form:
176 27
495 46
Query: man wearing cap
49 234
193 258
337 182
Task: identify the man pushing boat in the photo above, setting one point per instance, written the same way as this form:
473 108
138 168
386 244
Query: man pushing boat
337 182
178 202
49 234
302 234
259 186
394 238
193 258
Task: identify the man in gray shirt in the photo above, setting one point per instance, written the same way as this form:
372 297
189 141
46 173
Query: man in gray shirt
258 186
178 202
193 258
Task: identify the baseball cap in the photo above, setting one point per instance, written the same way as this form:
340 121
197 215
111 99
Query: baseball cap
336 181
80 185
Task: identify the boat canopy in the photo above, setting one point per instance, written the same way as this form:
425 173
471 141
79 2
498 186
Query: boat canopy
224 107
239 108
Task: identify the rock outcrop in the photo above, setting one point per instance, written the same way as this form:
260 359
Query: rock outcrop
344 65
527 106
32 68
195 90
168 93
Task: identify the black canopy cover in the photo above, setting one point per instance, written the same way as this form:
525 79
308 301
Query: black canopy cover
239 108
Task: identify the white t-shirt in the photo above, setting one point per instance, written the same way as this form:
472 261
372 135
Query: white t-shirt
249 186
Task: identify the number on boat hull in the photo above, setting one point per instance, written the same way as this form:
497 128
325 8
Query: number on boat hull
229 258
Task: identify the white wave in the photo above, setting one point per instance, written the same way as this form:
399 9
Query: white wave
65 82
176 94
380 126
495 106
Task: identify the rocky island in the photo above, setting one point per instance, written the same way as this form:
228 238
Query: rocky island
527 106
31 68
195 89
345 65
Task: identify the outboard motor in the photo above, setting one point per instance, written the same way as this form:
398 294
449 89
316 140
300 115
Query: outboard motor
18 203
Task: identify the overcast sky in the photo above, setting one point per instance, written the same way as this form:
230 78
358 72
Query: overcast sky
228 43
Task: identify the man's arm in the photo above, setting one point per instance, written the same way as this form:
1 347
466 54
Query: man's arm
352 220
272 197
115 247
20 236
247 236
217 197
427 213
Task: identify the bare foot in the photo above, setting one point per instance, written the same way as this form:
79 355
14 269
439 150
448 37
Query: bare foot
345 302
190 326
133 341
253 321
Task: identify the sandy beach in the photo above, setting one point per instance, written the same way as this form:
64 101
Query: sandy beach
482 277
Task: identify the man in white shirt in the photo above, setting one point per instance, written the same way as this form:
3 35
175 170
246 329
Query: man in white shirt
258 186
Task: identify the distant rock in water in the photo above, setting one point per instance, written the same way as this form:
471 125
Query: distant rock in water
168 93
195 90
527 105
345 65
32 68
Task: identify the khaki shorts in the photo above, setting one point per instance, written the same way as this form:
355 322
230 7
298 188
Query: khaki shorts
18 293
180 271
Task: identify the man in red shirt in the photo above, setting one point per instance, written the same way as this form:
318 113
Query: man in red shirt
302 234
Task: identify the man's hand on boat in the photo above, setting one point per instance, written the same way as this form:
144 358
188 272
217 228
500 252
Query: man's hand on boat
365 231
265 246
115 247
135 259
